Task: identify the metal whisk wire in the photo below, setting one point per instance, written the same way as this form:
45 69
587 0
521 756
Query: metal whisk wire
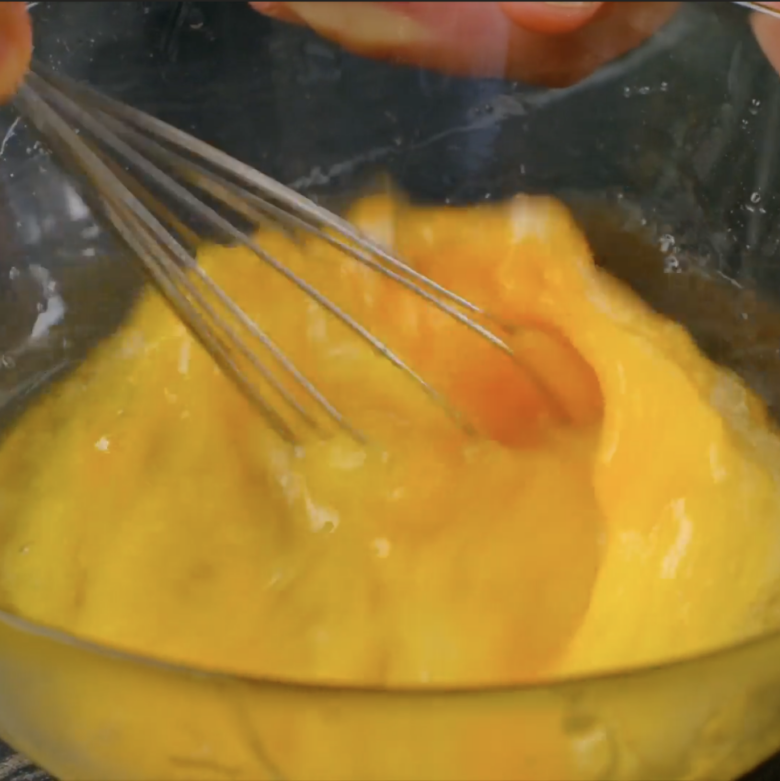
761 8
104 139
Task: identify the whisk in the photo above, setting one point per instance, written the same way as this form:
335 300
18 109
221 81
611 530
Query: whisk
115 148
761 8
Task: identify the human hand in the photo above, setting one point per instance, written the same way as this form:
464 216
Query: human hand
548 43
767 31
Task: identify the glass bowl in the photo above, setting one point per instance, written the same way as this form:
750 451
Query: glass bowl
668 158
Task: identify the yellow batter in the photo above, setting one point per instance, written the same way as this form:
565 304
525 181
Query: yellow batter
620 505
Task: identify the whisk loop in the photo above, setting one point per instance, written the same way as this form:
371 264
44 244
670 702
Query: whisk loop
105 140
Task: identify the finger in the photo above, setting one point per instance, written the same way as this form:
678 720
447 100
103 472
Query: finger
483 38
373 29
567 57
767 32
15 47
550 18
278 11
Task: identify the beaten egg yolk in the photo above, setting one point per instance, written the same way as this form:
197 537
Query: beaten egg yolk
616 503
